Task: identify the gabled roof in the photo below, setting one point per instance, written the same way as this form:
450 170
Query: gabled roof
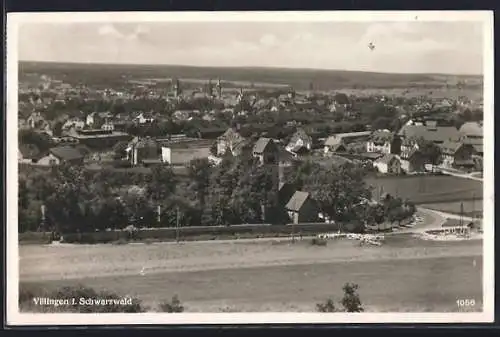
471 129
297 201
451 147
433 134
66 153
231 135
29 151
300 134
261 145
338 138
333 141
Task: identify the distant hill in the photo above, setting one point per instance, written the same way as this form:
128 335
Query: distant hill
300 79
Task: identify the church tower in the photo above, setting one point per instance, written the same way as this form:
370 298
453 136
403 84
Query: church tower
210 88
177 87
218 88
240 95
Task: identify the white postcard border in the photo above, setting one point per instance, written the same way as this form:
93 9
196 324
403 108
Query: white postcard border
14 317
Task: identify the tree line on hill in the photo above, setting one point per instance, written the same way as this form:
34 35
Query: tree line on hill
237 191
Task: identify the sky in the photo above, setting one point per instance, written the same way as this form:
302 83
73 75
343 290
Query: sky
400 47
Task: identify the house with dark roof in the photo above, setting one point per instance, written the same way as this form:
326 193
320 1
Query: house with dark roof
388 164
28 153
266 150
457 154
472 133
62 154
429 132
301 208
332 143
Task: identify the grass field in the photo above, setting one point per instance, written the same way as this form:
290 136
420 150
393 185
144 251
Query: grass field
428 189
406 274
470 207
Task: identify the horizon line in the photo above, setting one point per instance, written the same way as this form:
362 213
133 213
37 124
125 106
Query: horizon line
246 67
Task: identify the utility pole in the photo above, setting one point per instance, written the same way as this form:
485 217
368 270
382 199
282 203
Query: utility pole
159 215
461 213
177 225
473 207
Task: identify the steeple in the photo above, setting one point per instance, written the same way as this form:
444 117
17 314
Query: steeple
218 87
177 87
210 88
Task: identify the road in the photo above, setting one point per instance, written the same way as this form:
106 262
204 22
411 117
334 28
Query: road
462 175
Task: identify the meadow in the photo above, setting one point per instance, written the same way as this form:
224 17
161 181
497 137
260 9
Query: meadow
406 274
428 189
470 208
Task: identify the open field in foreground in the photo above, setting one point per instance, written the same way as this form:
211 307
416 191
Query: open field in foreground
471 208
428 189
405 274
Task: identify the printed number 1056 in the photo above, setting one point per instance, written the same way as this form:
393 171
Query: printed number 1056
466 302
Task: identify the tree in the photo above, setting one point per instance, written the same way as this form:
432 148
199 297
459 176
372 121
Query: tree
213 149
199 171
338 190
351 301
382 123
162 183
173 306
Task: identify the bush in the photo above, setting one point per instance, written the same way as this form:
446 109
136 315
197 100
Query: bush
173 306
27 296
350 302
328 306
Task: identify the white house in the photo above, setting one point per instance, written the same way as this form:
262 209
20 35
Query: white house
389 163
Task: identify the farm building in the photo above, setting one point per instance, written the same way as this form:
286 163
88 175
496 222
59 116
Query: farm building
333 143
183 152
97 138
430 132
457 154
62 154
472 133
301 208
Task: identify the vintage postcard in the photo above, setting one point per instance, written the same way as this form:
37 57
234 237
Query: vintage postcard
257 167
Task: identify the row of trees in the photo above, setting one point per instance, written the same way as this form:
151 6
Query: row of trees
236 191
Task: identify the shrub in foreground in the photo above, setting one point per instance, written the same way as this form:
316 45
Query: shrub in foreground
350 302
174 305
